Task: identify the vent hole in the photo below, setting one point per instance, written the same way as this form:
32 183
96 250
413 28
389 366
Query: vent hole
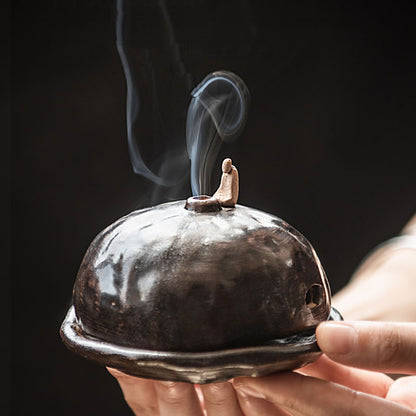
314 296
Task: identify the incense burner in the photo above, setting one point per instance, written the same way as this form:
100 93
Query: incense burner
198 292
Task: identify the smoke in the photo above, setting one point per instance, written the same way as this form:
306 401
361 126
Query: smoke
218 110
158 86
150 115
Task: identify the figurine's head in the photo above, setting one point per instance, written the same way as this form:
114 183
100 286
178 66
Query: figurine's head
227 164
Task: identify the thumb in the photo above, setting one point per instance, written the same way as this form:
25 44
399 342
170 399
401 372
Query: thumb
380 346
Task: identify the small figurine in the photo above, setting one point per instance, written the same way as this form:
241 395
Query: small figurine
227 193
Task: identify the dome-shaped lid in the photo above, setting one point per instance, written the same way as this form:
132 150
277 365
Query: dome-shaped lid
171 279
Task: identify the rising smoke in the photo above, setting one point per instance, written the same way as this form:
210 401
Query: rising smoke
217 110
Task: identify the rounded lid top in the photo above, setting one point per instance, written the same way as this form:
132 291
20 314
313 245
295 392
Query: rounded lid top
173 279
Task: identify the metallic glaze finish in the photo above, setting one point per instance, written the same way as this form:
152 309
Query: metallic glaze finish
172 280
195 367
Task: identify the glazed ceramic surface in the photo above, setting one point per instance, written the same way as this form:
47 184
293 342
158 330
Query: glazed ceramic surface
167 280
281 354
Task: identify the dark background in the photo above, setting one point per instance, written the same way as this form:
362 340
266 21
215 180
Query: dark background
328 146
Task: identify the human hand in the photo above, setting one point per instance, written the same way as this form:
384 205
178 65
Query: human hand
381 289
332 386
157 398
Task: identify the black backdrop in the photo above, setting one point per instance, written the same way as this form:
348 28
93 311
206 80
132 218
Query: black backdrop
328 146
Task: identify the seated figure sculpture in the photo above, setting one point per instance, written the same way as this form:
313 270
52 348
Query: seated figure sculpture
227 193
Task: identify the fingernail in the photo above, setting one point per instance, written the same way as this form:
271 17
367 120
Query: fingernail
336 338
244 391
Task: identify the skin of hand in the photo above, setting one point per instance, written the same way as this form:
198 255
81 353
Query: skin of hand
381 289
339 383
166 398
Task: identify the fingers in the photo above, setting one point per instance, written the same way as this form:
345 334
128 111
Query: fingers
139 393
403 391
220 399
177 399
253 406
365 381
158 398
308 396
381 346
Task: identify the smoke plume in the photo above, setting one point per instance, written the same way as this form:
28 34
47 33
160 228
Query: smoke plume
217 111
158 87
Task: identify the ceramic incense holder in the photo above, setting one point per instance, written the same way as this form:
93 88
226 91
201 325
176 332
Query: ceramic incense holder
199 292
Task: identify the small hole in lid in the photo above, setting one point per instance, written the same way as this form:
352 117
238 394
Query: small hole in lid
202 203
314 296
